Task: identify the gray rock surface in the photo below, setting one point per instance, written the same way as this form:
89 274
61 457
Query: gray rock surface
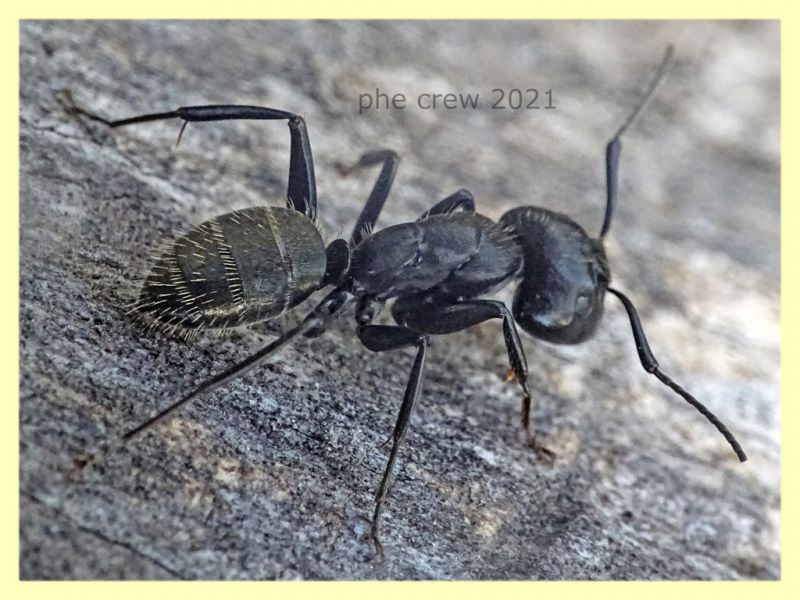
273 476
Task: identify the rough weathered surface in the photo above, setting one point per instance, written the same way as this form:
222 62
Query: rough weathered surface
273 476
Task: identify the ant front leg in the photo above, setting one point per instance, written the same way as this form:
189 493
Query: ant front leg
380 338
441 317
301 192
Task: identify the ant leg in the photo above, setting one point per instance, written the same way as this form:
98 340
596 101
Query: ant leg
301 190
650 365
318 319
380 338
438 318
614 147
380 191
462 199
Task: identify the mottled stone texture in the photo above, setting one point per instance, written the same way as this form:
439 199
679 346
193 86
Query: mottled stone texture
273 476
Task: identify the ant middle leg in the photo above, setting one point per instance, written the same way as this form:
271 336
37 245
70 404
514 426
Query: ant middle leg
381 338
460 200
380 191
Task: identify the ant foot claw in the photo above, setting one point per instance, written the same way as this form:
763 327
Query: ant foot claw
385 442
542 452
373 535
508 375
343 169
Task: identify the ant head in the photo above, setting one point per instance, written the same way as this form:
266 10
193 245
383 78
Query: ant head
564 279
569 317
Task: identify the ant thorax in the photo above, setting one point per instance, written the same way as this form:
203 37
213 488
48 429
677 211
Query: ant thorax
455 255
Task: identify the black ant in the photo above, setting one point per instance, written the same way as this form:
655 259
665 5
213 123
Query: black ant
255 264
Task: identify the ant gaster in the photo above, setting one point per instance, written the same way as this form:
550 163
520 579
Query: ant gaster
254 264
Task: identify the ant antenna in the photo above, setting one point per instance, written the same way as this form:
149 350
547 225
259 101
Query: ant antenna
650 365
614 147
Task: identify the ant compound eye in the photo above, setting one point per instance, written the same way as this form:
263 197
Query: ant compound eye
583 304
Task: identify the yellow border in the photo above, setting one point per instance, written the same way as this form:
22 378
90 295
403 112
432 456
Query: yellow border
9 308
409 9
9 303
